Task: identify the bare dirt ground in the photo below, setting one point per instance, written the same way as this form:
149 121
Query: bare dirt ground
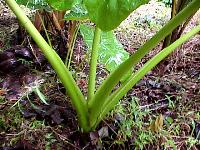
172 91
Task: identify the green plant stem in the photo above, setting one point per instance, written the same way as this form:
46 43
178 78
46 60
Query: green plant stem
120 92
63 73
45 30
72 40
106 88
93 63
73 44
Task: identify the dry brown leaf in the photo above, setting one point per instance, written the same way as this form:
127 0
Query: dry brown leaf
157 125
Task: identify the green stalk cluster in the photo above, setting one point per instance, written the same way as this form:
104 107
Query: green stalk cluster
92 110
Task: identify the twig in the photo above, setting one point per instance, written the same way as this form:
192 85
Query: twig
64 139
110 127
160 104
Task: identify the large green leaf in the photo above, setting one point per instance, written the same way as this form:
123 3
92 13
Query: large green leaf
77 12
34 4
61 4
111 52
108 14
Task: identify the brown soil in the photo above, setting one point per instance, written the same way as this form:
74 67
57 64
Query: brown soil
172 90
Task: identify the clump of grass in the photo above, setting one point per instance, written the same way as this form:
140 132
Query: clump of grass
10 124
133 124
15 129
134 127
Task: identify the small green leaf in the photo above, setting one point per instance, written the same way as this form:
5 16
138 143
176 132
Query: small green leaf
40 95
108 14
33 105
169 120
111 52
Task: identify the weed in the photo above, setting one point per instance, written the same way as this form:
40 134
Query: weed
50 139
132 126
2 99
191 141
197 115
36 124
170 144
2 123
